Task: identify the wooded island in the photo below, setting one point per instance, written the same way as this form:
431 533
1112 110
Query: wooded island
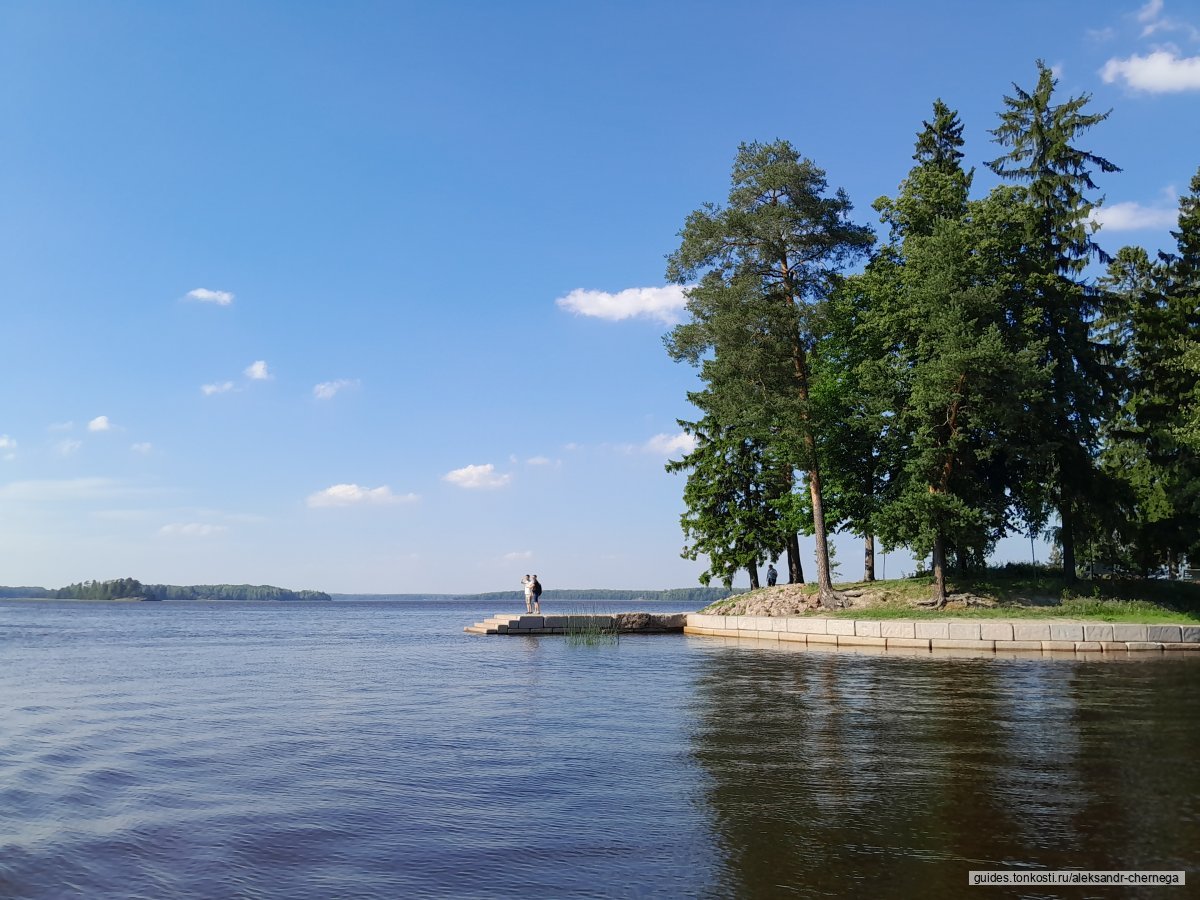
131 589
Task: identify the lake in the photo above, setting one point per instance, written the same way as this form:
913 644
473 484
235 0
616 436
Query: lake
372 750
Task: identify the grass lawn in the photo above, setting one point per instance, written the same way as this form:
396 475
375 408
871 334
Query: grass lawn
1018 592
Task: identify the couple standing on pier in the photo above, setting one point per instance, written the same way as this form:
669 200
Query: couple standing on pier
533 594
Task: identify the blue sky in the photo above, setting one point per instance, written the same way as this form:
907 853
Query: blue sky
369 297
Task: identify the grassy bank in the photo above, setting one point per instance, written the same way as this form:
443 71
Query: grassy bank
1023 592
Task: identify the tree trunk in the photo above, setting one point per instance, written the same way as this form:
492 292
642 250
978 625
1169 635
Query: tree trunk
939 572
868 557
1067 539
825 594
795 565
753 570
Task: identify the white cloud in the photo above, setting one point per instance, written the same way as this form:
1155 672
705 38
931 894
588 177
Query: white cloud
123 515
204 295
191 529
257 371
70 489
100 423
484 476
1149 13
355 495
209 389
142 447
1131 216
7 443
670 444
62 426
67 447
326 389
538 461
1153 21
518 555
661 303
1160 72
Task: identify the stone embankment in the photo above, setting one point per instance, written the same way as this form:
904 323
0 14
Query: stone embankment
957 634
617 623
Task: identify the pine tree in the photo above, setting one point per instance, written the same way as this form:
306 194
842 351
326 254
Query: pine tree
776 246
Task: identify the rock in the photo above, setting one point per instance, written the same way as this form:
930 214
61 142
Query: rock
649 622
631 621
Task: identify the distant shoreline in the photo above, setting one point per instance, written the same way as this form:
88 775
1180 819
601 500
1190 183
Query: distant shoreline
699 595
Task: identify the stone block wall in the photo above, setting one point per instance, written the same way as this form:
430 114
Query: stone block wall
988 635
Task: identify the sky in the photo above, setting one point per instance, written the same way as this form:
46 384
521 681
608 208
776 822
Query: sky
370 297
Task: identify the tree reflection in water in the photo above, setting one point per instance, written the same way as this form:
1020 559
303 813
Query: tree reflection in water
845 775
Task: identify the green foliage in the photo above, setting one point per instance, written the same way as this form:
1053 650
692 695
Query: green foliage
1056 307
731 518
760 271
1152 520
941 369
117 589
122 588
970 382
24 592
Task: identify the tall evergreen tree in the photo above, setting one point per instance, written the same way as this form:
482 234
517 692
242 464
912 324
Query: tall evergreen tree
1155 316
734 337
852 400
950 372
782 236
731 517
1058 307
962 388
1183 295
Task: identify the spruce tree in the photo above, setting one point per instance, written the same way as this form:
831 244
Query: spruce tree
1057 306
730 518
1158 471
949 367
1183 297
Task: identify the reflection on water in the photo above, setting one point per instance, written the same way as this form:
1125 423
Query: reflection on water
833 774
372 750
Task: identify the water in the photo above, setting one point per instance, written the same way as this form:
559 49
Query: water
363 750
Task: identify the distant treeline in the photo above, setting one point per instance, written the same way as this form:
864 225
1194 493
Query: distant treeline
24 592
700 595
131 588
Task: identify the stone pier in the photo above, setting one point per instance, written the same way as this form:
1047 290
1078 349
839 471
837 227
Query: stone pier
614 623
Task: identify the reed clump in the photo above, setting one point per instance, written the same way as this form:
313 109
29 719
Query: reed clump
590 631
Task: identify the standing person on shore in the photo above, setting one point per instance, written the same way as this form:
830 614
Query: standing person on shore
536 586
527 583
772 575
